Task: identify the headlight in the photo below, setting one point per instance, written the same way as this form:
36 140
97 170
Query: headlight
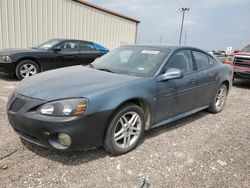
6 59
230 59
68 107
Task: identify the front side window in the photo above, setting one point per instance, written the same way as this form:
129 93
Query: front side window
202 60
68 46
181 60
137 61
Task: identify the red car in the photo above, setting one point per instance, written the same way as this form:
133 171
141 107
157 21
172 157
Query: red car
240 61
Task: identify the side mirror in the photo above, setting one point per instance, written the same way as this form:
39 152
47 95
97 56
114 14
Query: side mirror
172 73
56 49
236 51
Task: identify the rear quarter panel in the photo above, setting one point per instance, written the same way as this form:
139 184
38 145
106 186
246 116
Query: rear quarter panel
226 75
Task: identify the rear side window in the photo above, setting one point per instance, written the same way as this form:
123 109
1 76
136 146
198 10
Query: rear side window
86 46
202 60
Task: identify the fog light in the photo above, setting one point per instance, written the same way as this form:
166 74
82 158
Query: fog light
64 139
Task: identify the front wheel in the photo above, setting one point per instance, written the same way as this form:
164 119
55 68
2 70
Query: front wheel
26 69
219 100
125 130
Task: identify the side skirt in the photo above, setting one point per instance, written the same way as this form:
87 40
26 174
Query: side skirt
177 117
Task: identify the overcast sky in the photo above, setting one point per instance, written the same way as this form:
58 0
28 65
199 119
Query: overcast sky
210 24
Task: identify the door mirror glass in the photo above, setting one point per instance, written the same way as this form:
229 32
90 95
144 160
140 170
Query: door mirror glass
57 49
171 73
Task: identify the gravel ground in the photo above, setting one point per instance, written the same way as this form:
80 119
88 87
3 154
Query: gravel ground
203 150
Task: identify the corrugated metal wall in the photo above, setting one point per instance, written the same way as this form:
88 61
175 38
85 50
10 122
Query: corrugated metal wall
25 23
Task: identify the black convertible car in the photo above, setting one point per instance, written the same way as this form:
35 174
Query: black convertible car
55 53
113 100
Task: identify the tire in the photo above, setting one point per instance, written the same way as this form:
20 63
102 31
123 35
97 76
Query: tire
122 137
26 68
219 100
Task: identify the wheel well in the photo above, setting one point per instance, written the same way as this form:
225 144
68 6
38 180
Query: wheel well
31 59
226 84
145 107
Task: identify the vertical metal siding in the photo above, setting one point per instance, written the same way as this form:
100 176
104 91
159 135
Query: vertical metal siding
25 23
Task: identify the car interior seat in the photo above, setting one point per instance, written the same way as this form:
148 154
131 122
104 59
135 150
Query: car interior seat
179 62
140 59
68 46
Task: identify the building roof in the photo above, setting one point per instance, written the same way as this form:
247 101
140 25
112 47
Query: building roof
84 2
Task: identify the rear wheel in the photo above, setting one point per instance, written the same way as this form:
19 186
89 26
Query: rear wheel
125 130
26 69
219 100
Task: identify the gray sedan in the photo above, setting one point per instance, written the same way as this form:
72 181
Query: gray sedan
112 101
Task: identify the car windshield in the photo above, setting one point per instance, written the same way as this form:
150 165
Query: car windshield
246 49
47 45
136 61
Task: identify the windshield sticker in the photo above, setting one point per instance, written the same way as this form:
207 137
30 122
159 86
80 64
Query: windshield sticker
154 52
141 68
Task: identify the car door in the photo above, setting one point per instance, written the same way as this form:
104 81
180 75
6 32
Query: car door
67 55
177 96
88 53
206 78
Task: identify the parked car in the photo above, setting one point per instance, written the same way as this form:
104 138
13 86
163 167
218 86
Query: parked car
240 61
52 54
219 53
113 100
213 52
222 53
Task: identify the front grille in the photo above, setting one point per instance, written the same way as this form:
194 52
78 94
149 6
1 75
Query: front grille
26 135
242 61
17 105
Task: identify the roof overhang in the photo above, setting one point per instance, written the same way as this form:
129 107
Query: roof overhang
106 10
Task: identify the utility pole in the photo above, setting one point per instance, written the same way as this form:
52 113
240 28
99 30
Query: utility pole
185 41
183 10
160 39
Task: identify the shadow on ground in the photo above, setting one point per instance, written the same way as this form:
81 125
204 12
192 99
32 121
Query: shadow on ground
242 83
5 77
73 158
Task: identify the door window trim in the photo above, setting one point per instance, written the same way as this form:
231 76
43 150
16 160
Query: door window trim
183 49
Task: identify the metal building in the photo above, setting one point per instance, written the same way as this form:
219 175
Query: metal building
25 23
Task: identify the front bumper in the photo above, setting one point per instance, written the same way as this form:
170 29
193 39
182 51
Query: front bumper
8 68
86 132
240 72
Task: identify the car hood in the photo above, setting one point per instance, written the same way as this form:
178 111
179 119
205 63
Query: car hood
241 54
17 50
76 81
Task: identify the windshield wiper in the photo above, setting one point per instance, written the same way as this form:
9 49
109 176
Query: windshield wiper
101 69
107 70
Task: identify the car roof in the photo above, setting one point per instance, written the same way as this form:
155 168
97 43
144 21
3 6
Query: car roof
163 46
65 39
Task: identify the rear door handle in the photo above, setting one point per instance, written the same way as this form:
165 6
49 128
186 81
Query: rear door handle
192 82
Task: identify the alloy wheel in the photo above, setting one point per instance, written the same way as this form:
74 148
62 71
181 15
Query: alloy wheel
27 70
220 98
127 130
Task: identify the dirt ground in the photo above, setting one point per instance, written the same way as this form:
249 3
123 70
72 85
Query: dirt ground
203 150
